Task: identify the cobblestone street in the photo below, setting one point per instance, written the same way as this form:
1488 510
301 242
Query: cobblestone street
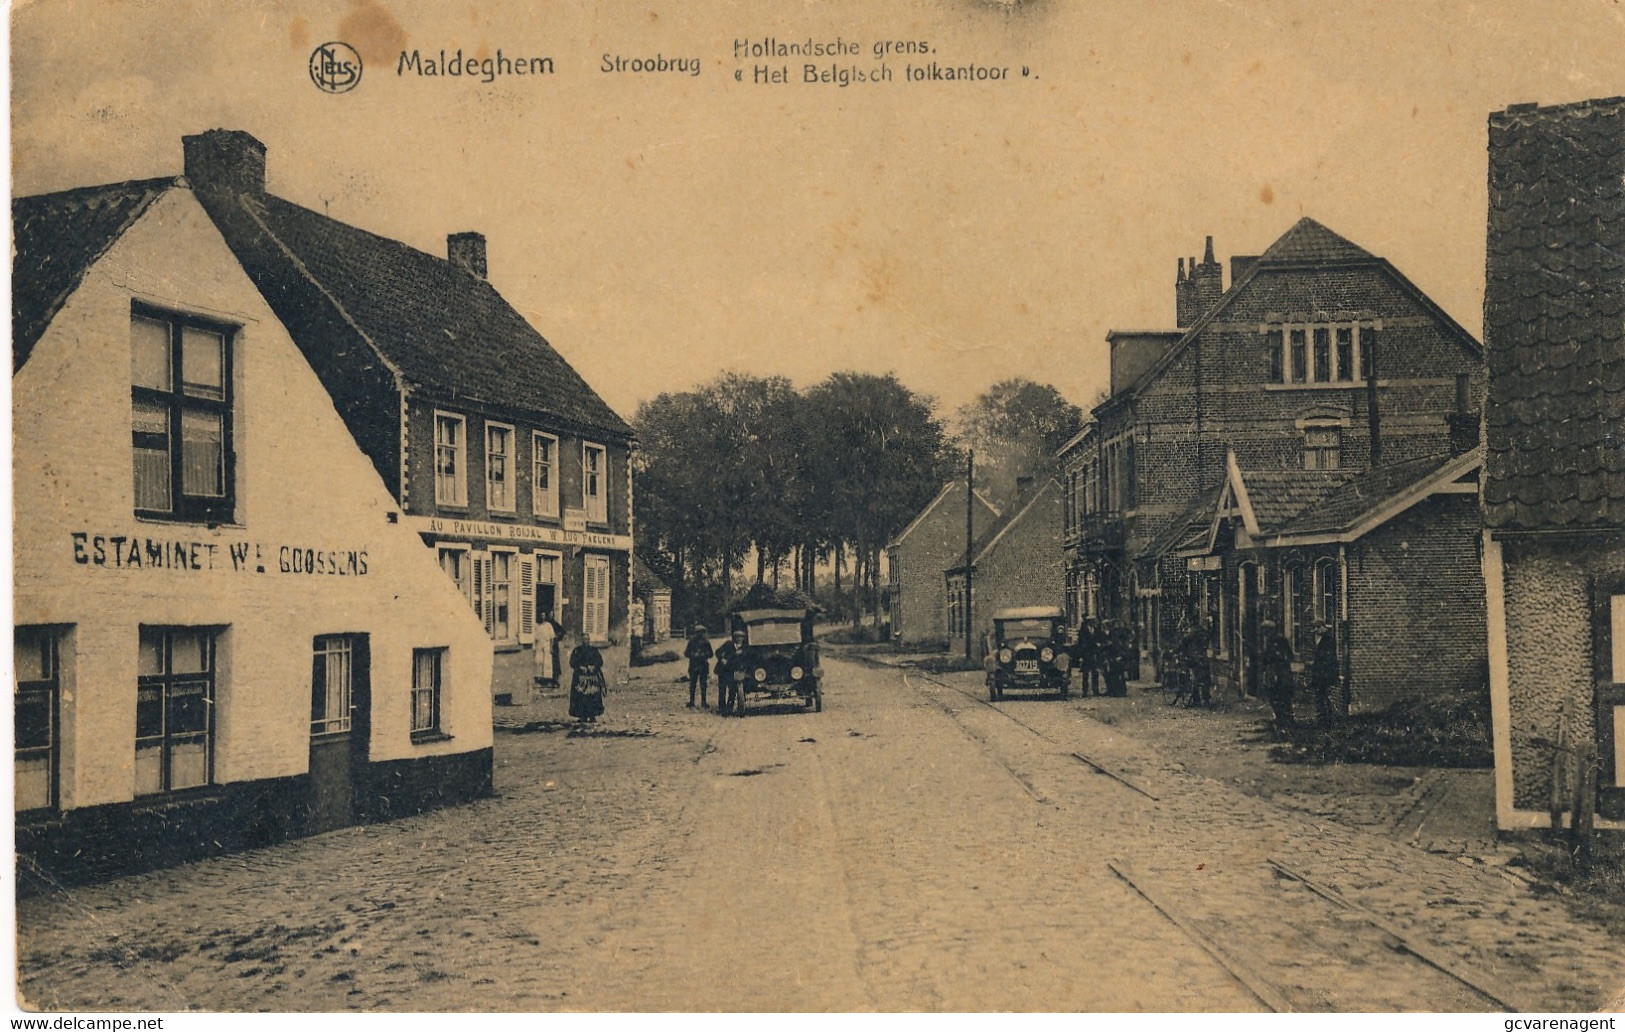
909 848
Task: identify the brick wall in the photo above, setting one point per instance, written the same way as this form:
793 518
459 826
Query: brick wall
936 543
1416 605
1027 567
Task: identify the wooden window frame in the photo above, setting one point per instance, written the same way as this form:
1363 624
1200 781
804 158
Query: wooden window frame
544 503
427 699
165 684
178 401
50 688
505 460
595 505
458 496
324 649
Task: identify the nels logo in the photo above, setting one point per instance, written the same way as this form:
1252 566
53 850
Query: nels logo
335 67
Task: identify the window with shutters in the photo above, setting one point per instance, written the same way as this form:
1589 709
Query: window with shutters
174 725
500 577
527 599
455 562
595 599
180 401
544 474
594 482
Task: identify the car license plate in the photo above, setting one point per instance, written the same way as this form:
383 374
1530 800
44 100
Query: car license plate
1026 666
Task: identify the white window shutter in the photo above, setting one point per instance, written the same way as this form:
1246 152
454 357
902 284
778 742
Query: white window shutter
527 598
488 607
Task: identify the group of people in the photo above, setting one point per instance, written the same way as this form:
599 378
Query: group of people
1102 655
699 654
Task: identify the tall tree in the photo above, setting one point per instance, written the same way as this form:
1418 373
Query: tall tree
874 455
1015 426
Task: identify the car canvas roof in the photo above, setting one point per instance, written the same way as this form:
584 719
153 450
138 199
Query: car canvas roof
759 615
1028 613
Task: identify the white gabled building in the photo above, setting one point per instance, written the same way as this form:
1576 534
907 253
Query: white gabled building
225 633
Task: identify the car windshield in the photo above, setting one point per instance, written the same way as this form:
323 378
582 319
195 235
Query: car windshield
774 632
1013 629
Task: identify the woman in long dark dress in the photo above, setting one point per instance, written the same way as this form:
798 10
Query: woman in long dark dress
586 683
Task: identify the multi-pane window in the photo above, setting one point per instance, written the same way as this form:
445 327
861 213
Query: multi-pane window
1322 447
956 606
500 620
331 684
35 717
180 414
499 467
1326 590
450 447
594 496
1329 353
544 479
455 563
426 682
174 695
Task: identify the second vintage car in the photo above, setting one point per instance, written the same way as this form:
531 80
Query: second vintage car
779 658
1028 648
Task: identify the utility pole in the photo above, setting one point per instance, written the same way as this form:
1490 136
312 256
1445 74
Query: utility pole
970 538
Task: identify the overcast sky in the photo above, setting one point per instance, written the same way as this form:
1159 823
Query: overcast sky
659 228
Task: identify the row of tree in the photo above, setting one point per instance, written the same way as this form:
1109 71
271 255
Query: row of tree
748 469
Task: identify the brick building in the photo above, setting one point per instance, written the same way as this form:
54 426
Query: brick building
513 470
1319 356
915 559
1554 486
1016 562
1385 555
224 636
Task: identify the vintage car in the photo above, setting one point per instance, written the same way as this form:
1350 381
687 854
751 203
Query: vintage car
1028 648
779 658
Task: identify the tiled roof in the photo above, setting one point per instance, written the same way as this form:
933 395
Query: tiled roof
1018 509
339 287
644 579
1278 495
1554 324
57 237
1186 528
1347 503
1309 241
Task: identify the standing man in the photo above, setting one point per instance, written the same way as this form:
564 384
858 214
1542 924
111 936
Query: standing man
728 660
698 653
1193 654
1086 653
1275 670
1323 670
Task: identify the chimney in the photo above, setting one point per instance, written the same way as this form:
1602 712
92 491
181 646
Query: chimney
1209 280
1184 297
1241 265
225 159
467 252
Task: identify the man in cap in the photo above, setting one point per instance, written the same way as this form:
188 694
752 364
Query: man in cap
728 661
1323 670
1275 668
698 653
